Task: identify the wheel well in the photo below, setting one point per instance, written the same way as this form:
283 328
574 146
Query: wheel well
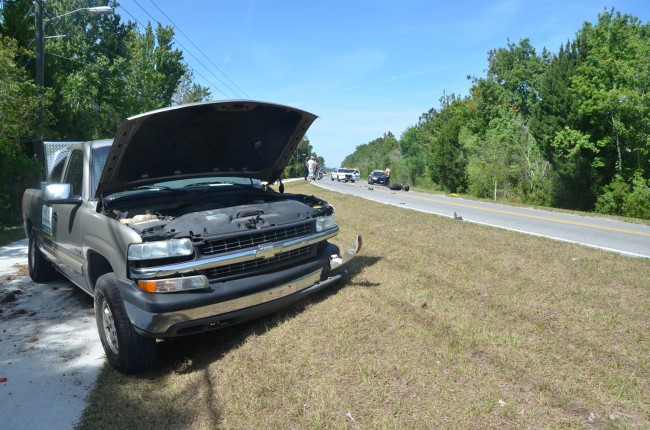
97 266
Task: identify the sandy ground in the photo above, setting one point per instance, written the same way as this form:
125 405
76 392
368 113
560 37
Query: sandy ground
50 353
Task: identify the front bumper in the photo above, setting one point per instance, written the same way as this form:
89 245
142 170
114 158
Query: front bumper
232 302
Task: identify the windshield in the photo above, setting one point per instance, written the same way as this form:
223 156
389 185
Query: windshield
190 186
212 181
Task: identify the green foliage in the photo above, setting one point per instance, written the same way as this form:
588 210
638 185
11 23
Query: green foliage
414 144
154 71
447 160
190 92
509 157
620 198
297 168
611 92
517 70
102 71
18 114
553 111
637 203
612 199
377 154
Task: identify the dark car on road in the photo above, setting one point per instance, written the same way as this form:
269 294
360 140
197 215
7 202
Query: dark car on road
377 177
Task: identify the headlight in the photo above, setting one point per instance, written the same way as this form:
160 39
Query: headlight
325 222
162 249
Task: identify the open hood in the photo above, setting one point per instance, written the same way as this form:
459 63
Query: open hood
232 138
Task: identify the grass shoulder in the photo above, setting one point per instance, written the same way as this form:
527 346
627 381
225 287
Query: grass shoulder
440 324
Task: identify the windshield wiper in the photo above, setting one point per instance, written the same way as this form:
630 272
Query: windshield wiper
208 184
157 188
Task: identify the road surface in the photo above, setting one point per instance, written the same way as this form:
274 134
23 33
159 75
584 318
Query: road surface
617 236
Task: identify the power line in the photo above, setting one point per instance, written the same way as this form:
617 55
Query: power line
191 68
22 21
199 49
190 53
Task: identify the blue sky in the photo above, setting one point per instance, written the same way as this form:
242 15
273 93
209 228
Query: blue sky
365 67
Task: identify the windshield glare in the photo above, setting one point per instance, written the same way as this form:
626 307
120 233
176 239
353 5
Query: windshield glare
209 181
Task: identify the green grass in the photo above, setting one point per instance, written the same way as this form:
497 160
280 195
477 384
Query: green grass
11 234
441 324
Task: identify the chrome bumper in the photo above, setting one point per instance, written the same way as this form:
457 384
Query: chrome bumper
213 316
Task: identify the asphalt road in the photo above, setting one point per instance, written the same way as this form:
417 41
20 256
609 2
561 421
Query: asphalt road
610 235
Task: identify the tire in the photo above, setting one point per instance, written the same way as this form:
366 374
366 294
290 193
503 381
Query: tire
126 350
40 269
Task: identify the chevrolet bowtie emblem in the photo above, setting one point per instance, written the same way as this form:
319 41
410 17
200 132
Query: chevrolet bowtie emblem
268 251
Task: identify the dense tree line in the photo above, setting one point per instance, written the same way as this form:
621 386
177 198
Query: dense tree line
570 129
99 70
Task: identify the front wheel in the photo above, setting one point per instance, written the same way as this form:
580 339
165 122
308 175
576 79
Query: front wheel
40 270
126 350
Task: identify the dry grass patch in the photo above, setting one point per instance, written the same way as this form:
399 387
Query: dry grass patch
442 324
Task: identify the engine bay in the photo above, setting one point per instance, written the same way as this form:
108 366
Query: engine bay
166 218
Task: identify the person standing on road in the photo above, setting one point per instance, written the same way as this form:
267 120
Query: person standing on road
387 173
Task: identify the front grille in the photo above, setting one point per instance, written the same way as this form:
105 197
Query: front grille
234 243
262 263
243 241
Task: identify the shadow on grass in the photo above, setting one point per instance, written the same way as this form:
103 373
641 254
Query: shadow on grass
190 353
193 355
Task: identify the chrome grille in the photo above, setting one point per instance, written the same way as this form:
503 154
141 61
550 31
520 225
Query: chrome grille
243 241
261 263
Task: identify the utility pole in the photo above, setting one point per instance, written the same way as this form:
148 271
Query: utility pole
40 77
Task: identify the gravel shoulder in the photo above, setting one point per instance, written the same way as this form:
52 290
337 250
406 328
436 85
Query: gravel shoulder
50 354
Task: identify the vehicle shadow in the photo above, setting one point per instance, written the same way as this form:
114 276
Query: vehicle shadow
190 353
195 356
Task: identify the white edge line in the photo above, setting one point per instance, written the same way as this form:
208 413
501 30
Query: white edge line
559 239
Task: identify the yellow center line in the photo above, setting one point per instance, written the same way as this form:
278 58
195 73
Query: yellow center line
539 217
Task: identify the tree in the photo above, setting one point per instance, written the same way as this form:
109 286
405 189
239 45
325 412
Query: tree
509 156
85 68
190 92
19 100
414 146
518 69
376 154
154 70
447 161
611 91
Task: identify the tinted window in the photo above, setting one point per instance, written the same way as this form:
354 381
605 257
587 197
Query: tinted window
75 172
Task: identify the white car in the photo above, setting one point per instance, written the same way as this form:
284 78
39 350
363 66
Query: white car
343 175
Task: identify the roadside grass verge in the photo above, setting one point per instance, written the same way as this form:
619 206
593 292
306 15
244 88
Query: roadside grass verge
441 324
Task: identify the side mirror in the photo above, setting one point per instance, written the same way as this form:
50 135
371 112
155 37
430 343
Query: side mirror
60 193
